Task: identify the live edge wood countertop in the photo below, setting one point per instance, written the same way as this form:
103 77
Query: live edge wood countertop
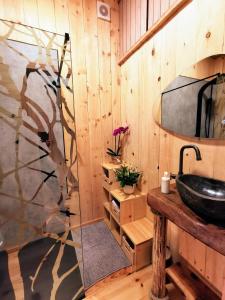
171 206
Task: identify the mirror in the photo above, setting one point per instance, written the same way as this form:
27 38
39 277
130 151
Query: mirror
193 104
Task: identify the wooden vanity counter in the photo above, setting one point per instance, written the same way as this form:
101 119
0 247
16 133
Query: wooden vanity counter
170 207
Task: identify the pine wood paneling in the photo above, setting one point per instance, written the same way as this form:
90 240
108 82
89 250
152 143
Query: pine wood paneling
121 28
105 79
131 108
143 16
180 44
46 15
186 41
156 10
212 35
138 16
115 69
124 27
137 19
164 6
13 10
193 251
132 22
172 2
76 17
31 13
128 23
61 16
215 268
173 49
150 13
94 104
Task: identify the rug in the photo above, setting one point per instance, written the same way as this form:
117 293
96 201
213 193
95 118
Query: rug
102 254
49 270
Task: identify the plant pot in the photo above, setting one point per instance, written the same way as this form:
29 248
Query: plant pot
129 189
116 160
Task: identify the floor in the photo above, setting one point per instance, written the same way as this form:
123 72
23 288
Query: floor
119 286
45 269
101 253
128 287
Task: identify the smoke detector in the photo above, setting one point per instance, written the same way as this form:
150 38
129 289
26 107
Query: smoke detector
103 11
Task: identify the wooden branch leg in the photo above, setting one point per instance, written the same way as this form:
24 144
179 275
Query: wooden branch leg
158 289
223 292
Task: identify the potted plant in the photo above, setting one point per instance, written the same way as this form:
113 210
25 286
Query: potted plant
128 177
116 153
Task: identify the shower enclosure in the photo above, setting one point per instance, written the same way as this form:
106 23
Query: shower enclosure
39 191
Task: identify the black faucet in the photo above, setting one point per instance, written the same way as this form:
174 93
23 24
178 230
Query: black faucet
197 152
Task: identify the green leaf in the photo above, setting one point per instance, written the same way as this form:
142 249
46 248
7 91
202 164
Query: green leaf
127 176
111 153
110 150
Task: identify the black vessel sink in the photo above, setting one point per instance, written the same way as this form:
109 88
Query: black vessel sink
204 196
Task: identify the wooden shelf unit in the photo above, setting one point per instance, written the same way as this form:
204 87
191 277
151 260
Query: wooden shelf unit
132 207
127 220
116 230
108 177
107 205
107 214
140 233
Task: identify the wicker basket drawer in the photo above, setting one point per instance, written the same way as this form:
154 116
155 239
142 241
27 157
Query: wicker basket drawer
116 213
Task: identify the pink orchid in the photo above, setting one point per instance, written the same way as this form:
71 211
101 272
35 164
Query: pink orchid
120 130
118 145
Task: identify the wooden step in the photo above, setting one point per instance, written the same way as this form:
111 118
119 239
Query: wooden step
192 287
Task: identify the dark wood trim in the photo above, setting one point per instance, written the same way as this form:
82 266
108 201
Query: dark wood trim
169 14
171 206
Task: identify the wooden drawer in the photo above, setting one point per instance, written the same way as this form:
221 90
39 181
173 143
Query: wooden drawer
128 250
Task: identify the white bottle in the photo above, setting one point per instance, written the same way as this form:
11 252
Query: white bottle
165 183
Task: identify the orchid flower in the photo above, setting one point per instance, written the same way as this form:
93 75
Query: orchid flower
117 132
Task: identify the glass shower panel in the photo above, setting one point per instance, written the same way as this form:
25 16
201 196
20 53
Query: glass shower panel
39 190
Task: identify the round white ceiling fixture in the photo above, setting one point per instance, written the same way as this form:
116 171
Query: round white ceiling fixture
103 11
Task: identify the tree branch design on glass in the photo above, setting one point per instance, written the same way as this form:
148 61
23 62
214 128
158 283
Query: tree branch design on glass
38 162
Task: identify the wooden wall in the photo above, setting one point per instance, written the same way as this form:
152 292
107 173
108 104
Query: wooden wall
95 46
196 32
182 42
136 16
